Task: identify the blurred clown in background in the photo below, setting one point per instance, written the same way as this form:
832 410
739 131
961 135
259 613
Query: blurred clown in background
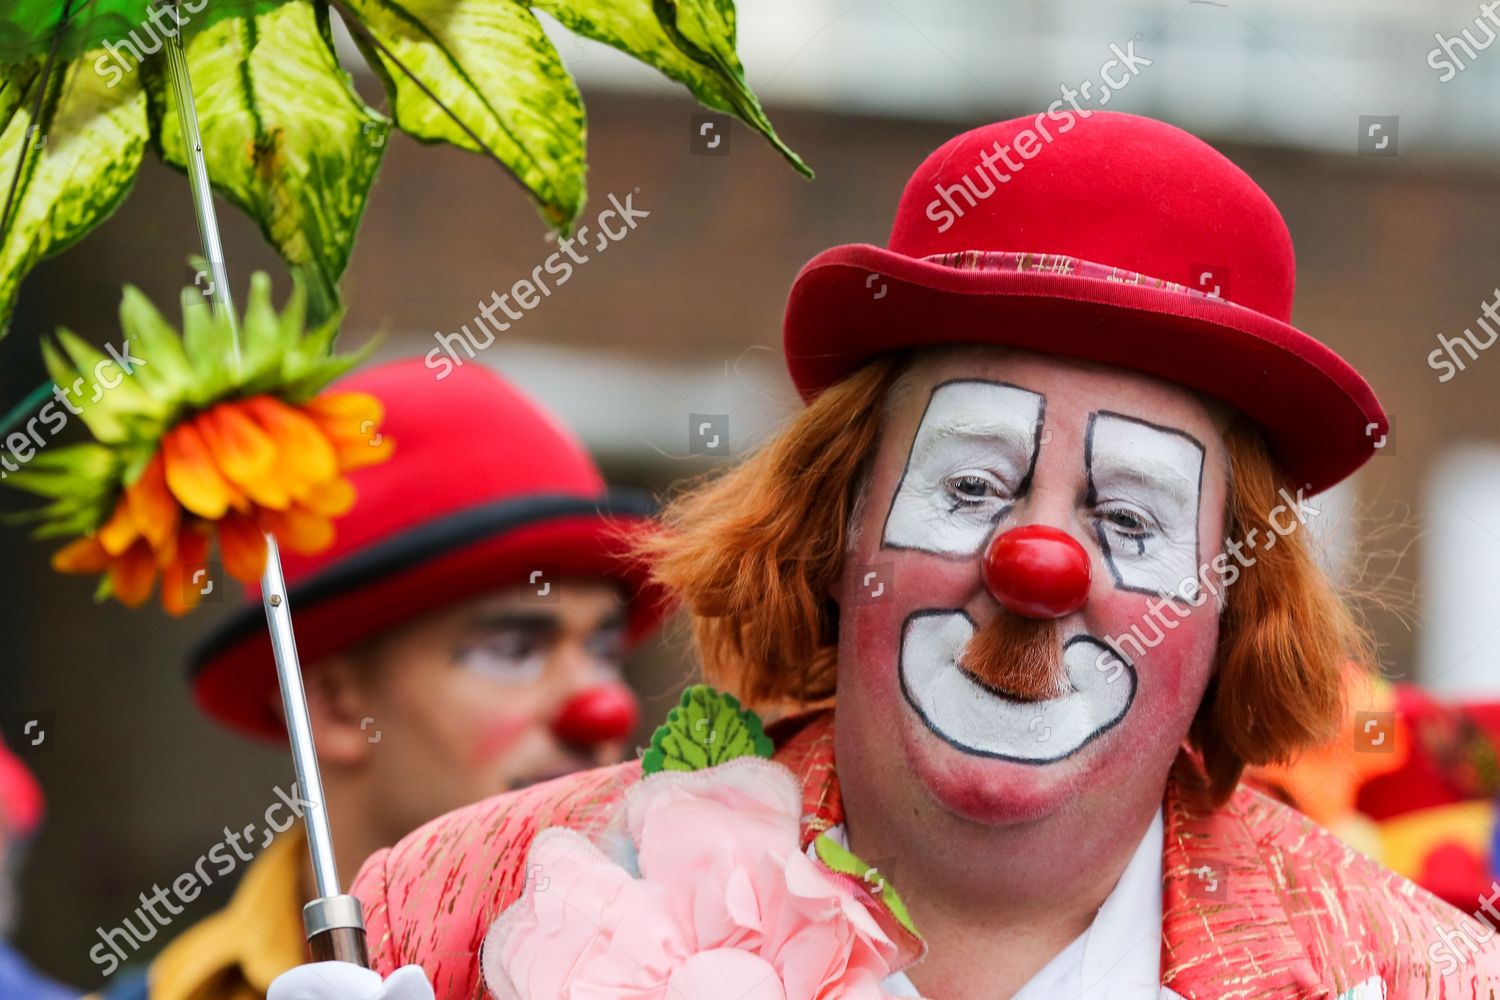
1411 781
462 636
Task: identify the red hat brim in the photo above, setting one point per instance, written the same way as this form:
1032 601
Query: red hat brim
852 303
436 564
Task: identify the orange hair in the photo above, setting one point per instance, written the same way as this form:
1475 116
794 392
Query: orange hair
754 554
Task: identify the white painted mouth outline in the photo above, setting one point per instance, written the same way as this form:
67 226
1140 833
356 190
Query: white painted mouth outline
978 721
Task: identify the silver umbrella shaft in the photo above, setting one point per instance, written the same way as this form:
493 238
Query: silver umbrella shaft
298 724
333 914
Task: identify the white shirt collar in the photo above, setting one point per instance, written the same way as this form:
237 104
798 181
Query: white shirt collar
1118 957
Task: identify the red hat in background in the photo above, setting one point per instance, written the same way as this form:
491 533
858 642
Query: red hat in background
21 803
1101 236
485 489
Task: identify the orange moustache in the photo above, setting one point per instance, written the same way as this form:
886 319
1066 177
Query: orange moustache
1019 658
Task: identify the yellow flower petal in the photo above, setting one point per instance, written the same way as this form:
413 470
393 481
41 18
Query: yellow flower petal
352 422
345 413
152 508
304 455
180 593
331 498
242 546
119 532
358 454
300 530
193 477
244 453
83 555
132 575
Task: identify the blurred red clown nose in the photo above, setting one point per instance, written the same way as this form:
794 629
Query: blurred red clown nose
1037 571
599 715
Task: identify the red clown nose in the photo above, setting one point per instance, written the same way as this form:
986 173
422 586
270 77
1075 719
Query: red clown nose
1037 571
598 715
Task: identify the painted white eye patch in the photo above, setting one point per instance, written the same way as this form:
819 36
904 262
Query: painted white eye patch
1144 487
973 455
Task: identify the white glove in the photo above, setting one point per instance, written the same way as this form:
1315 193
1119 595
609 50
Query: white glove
343 981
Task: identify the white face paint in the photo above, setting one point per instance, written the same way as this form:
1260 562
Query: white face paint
976 720
1145 481
972 458
973 454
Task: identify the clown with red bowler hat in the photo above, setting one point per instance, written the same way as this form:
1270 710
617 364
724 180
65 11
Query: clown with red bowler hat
1026 589
463 637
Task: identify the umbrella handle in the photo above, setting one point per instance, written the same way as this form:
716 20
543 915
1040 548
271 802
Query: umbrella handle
336 930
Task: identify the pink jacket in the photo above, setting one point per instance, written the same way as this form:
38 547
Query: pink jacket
1258 901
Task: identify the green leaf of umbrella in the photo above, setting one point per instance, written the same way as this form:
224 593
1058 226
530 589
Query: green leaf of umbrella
80 162
285 136
494 70
14 82
690 41
28 27
126 29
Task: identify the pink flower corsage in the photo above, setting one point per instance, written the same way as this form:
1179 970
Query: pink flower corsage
709 896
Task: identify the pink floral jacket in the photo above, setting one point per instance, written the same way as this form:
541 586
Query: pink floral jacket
1258 901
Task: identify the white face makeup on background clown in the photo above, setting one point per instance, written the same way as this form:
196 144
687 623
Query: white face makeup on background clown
1118 475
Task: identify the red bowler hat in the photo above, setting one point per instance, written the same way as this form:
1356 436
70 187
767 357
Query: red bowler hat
485 489
1110 238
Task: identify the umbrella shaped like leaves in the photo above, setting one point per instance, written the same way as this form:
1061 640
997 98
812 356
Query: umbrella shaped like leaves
83 95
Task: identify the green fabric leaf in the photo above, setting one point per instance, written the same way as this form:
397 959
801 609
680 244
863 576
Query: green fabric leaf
690 41
705 728
54 472
261 333
209 343
285 136
107 387
81 161
80 480
840 859
14 83
492 66
166 374
103 423
29 27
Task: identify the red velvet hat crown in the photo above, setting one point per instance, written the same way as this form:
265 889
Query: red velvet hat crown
484 488
1111 238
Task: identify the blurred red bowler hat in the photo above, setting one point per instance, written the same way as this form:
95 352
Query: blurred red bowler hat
1101 236
484 489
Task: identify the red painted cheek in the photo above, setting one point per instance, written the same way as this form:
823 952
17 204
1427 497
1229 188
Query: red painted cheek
1175 661
498 735
903 582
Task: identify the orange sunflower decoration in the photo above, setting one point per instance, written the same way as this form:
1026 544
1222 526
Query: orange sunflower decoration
202 440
